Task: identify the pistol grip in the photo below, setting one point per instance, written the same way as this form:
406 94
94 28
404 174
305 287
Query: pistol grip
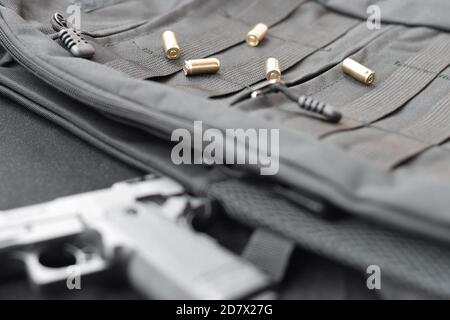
169 261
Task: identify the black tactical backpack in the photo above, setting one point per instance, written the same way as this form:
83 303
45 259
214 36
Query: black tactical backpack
372 189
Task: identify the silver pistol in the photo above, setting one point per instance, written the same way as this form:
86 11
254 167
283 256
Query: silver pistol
141 225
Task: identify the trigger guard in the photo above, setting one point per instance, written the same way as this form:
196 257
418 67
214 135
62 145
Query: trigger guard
41 275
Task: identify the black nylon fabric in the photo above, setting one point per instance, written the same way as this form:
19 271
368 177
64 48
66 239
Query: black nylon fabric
432 129
418 264
386 96
269 252
40 161
431 13
142 57
411 65
16 73
133 146
241 65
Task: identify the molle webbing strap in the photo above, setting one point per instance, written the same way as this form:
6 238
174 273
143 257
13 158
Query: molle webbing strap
409 260
224 33
389 96
245 67
10 4
270 252
393 148
404 84
268 11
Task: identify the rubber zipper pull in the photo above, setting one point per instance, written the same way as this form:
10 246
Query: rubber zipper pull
313 105
72 39
58 22
74 42
310 104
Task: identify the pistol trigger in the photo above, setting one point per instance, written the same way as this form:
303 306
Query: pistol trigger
83 256
77 253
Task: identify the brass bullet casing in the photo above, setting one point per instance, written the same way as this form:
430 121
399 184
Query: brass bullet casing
201 66
273 71
171 47
257 34
358 71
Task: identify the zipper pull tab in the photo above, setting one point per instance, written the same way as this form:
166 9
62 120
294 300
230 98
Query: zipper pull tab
72 40
315 106
58 22
326 111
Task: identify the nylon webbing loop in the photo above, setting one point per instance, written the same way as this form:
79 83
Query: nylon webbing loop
268 11
245 67
10 4
150 62
130 68
409 260
405 83
270 252
391 149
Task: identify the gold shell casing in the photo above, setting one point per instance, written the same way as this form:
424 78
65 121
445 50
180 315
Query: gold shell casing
358 71
273 71
257 34
201 66
171 47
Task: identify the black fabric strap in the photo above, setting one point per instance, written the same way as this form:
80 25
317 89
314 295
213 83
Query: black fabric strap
415 262
10 4
224 32
387 97
245 66
270 252
404 84
418 136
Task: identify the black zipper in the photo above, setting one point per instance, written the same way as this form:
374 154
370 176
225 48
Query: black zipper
114 106
159 124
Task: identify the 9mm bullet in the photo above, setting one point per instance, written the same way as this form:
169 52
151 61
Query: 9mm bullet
358 71
201 66
171 47
273 71
257 34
